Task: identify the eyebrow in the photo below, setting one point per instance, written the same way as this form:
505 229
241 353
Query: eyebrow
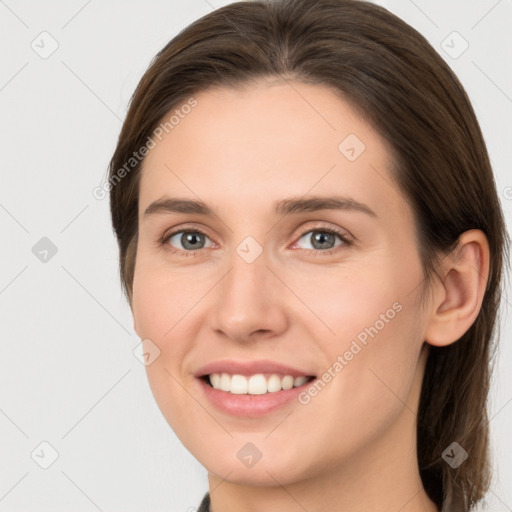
281 207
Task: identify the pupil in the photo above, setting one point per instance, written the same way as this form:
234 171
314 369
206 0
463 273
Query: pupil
322 237
190 240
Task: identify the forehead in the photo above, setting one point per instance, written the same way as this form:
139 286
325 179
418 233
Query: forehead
266 141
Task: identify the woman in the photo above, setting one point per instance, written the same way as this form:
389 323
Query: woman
312 245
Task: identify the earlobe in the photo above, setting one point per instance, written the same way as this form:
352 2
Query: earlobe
459 295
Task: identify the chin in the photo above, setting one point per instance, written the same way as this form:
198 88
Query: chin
242 463
260 475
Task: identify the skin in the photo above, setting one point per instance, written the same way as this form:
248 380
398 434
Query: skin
352 447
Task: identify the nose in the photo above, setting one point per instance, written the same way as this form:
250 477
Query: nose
250 302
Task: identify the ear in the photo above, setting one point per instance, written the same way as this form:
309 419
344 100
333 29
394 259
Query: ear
458 296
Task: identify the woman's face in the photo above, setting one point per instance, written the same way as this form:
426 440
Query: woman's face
251 285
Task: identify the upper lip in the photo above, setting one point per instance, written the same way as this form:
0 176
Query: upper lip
253 367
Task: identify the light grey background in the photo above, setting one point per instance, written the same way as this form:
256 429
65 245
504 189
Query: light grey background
68 374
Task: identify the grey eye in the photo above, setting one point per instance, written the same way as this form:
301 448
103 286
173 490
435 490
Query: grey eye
190 240
321 239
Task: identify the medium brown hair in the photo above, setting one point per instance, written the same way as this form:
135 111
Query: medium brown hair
396 81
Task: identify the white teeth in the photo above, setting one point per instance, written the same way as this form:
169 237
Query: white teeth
215 379
255 384
239 385
299 381
225 382
274 384
287 382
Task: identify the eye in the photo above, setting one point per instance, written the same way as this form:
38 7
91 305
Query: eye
323 239
190 241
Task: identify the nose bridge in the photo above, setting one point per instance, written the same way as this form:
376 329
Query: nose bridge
245 284
245 301
248 263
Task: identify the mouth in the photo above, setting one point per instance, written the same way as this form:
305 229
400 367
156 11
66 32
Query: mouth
257 384
251 388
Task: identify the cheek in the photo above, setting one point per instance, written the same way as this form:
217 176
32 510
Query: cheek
353 303
372 384
160 305
378 324
162 298
160 315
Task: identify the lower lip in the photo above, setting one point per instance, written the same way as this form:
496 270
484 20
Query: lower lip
251 406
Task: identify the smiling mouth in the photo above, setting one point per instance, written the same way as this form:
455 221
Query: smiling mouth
257 384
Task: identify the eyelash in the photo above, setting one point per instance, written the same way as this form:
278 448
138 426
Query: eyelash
322 229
